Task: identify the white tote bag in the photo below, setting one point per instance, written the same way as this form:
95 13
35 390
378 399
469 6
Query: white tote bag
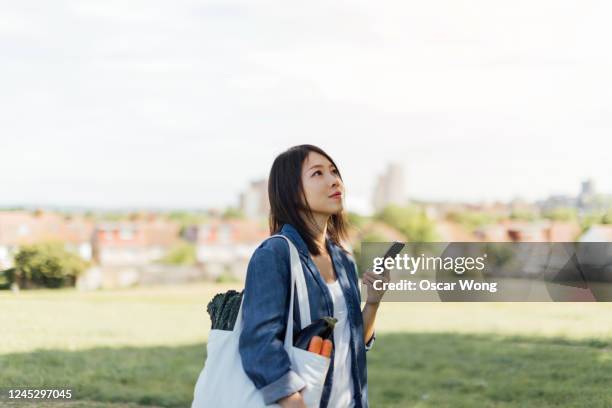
223 382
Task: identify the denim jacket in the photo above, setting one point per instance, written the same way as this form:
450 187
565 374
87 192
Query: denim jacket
266 306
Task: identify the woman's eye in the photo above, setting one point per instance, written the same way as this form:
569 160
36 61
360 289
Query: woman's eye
317 172
335 171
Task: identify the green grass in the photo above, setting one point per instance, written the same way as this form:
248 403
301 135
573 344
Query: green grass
457 370
146 346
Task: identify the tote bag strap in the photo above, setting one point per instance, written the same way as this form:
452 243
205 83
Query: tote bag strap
297 282
300 282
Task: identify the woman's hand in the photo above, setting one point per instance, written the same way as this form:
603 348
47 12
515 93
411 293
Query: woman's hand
368 279
294 400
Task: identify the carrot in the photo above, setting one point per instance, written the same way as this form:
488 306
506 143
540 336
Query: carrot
326 349
315 344
322 327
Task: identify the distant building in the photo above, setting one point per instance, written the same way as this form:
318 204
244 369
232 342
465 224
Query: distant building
453 232
389 188
586 201
559 201
587 188
519 205
225 246
523 231
125 253
133 243
19 228
254 201
122 253
586 198
381 231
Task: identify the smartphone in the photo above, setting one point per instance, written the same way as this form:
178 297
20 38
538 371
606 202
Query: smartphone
393 250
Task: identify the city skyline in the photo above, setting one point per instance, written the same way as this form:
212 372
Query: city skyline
363 205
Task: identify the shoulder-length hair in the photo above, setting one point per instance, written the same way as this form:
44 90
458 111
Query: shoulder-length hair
287 198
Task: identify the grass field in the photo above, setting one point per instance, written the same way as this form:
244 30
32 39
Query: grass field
146 346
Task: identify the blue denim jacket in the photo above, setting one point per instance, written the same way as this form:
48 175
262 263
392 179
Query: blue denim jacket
266 306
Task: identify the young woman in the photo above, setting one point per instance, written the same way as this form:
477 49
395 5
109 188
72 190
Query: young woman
306 205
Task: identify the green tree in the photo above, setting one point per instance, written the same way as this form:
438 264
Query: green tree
7 277
607 217
412 221
523 215
596 217
187 218
47 264
561 214
471 220
183 253
371 236
231 213
356 220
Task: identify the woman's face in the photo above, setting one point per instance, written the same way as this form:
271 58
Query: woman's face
322 185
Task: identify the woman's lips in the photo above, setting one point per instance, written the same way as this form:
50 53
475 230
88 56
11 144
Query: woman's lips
336 195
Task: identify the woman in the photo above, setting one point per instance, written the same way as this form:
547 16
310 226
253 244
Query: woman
306 205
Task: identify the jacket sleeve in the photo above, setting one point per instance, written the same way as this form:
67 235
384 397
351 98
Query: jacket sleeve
355 275
265 309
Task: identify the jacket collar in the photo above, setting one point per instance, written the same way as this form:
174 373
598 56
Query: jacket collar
335 252
292 233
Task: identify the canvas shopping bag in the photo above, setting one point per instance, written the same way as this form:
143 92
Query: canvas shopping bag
224 384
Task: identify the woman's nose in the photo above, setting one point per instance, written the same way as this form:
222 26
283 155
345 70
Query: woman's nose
335 181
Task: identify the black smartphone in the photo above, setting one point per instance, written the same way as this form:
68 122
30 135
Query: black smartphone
393 250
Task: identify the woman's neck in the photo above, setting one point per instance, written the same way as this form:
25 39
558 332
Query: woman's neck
320 240
319 226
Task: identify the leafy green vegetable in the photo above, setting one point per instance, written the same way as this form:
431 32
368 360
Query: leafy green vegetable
223 309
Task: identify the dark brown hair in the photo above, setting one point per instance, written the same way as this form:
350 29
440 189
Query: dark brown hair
287 198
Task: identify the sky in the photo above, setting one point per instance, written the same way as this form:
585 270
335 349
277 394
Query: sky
181 104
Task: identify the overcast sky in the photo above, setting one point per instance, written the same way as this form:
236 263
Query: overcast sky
180 104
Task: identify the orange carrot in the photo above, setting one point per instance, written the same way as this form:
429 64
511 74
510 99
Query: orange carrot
326 349
315 344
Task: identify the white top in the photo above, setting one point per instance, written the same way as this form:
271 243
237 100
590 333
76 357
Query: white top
342 381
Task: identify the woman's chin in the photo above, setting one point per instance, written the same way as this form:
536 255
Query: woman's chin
336 209
329 210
